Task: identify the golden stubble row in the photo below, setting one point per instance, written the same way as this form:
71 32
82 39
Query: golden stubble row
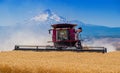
59 62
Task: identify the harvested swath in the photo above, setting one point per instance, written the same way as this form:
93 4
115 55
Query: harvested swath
59 62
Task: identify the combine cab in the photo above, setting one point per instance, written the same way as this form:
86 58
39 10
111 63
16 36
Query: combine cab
64 38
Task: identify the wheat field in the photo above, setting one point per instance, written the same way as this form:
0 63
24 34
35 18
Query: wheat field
59 62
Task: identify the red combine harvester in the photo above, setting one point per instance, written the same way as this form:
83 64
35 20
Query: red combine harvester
64 38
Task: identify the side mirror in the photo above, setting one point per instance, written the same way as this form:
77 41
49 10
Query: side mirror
49 31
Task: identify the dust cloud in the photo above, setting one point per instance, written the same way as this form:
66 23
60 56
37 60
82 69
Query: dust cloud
24 37
102 42
29 37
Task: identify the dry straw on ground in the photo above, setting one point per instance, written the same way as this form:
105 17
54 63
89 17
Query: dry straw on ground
59 62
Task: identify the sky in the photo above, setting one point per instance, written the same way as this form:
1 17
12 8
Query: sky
98 12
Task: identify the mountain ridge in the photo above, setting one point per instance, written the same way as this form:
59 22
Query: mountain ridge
43 21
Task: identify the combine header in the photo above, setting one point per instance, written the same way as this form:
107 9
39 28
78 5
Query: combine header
64 38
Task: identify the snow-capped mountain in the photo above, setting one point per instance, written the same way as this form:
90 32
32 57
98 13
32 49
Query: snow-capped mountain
42 22
47 15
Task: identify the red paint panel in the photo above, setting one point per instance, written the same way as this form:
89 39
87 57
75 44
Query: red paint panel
72 34
54 35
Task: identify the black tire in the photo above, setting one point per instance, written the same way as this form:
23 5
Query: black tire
78 45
